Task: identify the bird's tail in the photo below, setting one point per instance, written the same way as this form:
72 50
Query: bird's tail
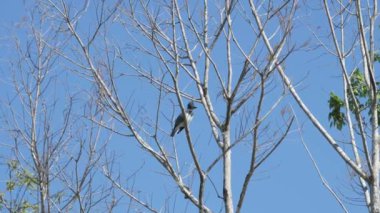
173 132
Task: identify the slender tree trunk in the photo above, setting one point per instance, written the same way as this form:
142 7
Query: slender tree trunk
375 196
227 189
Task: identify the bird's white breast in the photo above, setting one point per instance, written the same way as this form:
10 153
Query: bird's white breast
189 117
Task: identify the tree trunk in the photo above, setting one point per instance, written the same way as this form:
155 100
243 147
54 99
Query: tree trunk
227 189
375 196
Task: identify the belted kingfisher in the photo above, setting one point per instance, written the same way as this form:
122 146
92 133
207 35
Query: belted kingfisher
180 121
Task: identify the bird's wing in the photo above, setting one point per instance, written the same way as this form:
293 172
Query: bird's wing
179 120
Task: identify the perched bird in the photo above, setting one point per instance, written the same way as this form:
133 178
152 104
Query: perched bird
180 121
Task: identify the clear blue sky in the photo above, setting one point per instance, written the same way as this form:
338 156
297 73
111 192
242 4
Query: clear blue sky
286 183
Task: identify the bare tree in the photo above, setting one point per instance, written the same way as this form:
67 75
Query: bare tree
351 41
180 52
55 151
197 55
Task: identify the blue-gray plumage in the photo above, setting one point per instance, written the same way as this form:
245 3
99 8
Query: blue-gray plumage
180 121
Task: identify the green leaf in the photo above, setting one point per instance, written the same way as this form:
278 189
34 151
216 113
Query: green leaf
26 178
13 164
376 57
336 117
10 185
359 86
360 94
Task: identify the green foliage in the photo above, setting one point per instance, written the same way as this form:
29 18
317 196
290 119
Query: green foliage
359 86
21 176
20 179
28 207
360 94
10 185
27 179
336 117
377 57
12 165
360 91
